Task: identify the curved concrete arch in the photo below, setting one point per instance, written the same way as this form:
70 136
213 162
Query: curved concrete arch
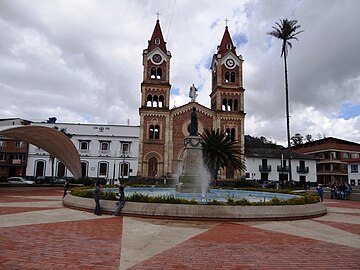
51 140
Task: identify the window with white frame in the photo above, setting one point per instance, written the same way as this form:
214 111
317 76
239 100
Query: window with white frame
354 168
103 169
2 143
84 145
354 155
125 148
104 146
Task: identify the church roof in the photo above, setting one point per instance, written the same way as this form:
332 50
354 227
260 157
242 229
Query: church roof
157 36
223 47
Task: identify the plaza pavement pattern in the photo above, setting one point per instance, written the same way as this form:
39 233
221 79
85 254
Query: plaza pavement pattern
37 232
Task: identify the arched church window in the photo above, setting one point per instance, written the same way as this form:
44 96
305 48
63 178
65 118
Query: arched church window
161 101
232 134
154 132
232 77
227 133
157 132
228 46
149 101
236 105
159 73
153 73
224 105
155 101
230 105
157 41
227 76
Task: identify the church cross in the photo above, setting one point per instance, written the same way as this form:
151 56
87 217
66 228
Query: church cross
226 21
158 15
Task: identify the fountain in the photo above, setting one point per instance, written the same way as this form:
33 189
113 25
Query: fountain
194 178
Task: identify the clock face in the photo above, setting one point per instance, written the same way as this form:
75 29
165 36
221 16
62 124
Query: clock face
230 63
157 58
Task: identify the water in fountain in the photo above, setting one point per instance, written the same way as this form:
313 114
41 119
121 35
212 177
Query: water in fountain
194 177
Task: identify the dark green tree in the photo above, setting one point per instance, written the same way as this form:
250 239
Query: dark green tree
220 152
297 139
286 30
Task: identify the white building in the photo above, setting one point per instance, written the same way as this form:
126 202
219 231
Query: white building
354 173
272 164
106 151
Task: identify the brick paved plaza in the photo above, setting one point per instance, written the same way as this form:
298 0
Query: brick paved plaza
37 232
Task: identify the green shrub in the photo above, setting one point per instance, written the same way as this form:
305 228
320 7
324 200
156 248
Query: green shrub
88 192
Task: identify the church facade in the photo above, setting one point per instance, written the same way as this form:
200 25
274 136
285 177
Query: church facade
163 130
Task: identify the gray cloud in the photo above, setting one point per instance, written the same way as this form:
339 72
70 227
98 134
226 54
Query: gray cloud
82 61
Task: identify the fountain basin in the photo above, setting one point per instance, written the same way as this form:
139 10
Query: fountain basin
200 211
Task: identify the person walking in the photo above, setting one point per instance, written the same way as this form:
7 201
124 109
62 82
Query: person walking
97 193
66 187
320 192
121 203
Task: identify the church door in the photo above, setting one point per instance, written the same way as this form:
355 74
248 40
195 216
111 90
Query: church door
152 169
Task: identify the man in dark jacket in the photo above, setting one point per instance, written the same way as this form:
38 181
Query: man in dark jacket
120 204
97 193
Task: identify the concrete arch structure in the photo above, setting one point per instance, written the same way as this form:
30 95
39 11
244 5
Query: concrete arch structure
51 140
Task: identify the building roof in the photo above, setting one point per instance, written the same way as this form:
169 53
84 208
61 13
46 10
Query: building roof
275 153
327 144
222 48
157 33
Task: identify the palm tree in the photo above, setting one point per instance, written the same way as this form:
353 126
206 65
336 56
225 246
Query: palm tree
220 152
286 31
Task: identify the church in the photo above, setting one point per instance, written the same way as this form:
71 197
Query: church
163 130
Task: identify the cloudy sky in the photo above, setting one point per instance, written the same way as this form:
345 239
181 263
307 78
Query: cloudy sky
81 61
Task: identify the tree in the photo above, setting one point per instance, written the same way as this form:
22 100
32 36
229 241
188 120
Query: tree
220 152
308 138
297 139
286 30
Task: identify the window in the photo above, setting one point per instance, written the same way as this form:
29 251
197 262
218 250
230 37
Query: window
154 132
156 73
124 169
227 76
230 134
228 46
247 175
354 155
60 169
354 168
125 148
157 41
232 77
20 144
103 169
2 157
302 163
346 155
2 143
84 169
104 146
84 145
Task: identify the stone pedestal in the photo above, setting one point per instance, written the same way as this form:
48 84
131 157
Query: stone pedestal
193 178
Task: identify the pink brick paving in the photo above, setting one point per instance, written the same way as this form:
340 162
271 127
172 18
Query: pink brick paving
352 228
14 210
234 246
90 244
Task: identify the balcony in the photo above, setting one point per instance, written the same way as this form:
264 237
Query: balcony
125 153
264 168
282 168
300 169
104 153
84 152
